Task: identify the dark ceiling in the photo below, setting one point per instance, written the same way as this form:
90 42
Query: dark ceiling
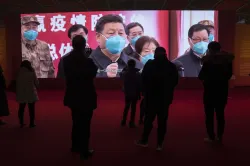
242 7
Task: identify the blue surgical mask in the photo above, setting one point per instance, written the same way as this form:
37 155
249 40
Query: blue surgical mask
147 57
200 48
115 44
211 37
30 35
133 41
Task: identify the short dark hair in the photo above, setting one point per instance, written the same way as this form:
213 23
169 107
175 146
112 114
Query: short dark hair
110 18
197 28
142 41
78 42
160 53
131 63
75 28
214 46
132 25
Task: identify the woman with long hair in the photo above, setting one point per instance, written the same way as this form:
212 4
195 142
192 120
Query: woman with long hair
26 93
4 109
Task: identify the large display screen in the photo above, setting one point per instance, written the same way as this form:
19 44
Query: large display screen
117 36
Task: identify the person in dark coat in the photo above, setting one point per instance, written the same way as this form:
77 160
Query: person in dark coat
131 79
215 75
80 95
73 31
159 79
26 92
4 109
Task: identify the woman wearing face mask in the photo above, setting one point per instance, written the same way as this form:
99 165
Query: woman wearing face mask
145 47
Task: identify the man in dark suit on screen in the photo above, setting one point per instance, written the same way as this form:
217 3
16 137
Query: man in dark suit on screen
198 38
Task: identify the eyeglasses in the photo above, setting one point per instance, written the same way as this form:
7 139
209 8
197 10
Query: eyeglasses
199 40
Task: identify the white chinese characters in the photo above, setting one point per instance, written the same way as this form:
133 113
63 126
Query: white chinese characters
53 53
58 23
65 48
41 27
78 19
123 17
94 19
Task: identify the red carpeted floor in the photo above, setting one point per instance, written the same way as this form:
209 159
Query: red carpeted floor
49 143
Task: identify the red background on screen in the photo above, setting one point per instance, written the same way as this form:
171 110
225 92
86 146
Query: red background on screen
155 24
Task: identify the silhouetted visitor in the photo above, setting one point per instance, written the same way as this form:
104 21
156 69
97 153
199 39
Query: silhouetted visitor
215 74
4 108
159 78
26 93
131 84
80 95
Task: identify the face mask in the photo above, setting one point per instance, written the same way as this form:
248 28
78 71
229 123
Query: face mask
115 44
200 48
147 57
30 35
211 37
133 41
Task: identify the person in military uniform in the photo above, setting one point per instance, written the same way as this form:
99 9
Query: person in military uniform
34 50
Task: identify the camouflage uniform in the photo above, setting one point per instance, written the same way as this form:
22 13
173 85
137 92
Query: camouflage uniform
38 53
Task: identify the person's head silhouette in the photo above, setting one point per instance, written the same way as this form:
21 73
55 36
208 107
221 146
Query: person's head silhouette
26 64
214 47
79 42
131 64
160 53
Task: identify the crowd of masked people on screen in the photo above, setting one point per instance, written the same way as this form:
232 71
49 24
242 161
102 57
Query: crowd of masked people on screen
147 74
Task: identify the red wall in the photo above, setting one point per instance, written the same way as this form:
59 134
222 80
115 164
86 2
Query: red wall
227 21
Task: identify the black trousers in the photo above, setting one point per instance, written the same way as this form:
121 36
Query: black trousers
81 129
31 112
142 109
209 113
130 103
162 117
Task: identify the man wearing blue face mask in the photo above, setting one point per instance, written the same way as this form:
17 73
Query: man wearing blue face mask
34 50
109 56
134 31
198 40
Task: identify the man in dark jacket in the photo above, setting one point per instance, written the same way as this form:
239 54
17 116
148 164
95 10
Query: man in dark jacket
159 78
215 74
73 31
80 95
131 79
